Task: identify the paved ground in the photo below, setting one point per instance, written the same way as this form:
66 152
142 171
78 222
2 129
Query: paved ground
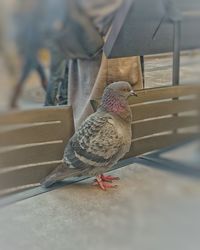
150 210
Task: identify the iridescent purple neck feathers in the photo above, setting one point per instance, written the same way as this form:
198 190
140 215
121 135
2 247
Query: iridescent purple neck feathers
113 102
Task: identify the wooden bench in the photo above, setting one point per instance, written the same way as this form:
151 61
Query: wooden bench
31 145
32 141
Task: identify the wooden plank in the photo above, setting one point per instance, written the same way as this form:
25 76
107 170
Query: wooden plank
33 154
156 142
158 93
34 134
150 110
45 114
162 93
25 176
150 127
33 175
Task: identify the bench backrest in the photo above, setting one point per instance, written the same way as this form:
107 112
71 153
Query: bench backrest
31 145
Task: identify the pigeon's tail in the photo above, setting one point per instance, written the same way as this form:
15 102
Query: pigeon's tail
61 172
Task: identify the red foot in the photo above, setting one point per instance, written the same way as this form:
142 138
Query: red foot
103 184
109 178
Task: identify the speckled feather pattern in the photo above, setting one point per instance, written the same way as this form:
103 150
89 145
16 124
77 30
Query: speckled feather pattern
97 144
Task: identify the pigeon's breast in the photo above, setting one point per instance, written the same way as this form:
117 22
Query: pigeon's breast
125 133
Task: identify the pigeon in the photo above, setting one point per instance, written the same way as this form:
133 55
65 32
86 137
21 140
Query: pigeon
100 142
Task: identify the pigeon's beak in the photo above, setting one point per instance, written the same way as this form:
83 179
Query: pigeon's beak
132 93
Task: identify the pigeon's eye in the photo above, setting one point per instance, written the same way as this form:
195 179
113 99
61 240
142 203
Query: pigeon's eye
126 90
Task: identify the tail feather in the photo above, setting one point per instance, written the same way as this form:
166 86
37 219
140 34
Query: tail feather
61 172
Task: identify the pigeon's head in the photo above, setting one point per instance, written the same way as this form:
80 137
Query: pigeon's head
121 89
115 99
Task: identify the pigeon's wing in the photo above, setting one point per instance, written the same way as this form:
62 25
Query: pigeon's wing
61 172
95 144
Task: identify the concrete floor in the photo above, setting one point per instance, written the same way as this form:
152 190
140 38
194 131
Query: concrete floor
150 210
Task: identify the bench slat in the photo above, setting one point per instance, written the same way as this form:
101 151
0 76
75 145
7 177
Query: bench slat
158 94
33 154
45 114
145 111
25 176
162 93
149 127
156 142
36 134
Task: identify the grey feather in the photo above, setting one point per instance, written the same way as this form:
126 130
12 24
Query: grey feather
58 174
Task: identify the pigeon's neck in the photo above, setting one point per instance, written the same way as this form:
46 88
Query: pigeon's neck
116 104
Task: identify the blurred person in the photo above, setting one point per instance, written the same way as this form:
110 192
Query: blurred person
73 31
87 71
71 37
33 23
35 29
57 88
30 63
28 38
87 77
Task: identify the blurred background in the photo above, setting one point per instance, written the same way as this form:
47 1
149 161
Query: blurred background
26 30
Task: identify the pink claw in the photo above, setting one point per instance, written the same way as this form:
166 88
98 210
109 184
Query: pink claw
109 178
102 183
